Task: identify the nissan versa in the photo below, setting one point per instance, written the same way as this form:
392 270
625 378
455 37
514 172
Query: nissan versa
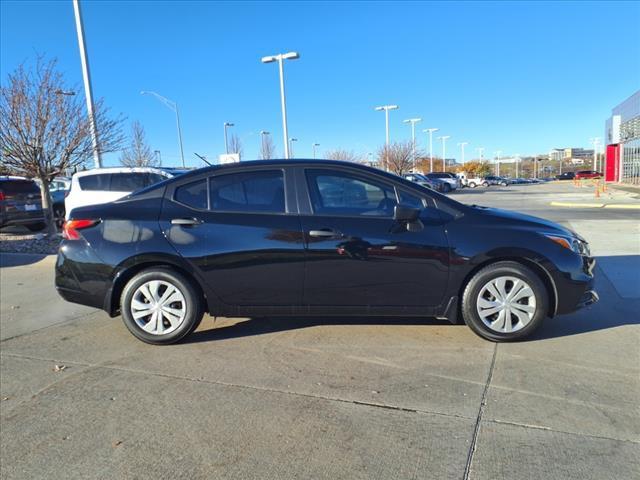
307 237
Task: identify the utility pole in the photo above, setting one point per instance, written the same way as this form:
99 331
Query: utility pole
430 131
88 94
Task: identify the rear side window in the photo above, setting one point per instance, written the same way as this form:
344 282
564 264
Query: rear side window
95 182
193 194
119 182
261 191
128 182
16 187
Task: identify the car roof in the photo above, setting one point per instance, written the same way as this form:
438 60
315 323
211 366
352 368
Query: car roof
14 177
105 170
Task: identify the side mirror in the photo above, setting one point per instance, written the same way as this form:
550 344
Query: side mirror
402 213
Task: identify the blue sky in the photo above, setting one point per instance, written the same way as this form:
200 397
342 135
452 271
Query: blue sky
512 76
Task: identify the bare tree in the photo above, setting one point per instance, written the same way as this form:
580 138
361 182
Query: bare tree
235 145
45 130
267 148
344 155
397 157
139 153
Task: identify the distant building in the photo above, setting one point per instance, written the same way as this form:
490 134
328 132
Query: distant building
577 156
622 138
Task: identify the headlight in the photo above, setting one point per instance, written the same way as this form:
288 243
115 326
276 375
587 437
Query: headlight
572 243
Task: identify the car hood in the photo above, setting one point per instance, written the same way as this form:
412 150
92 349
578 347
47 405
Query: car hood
526 221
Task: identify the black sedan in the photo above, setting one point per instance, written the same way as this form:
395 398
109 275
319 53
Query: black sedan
307 237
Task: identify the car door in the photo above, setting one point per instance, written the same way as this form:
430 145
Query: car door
241 231
357 254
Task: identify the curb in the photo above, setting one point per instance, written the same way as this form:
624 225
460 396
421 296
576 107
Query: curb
627 206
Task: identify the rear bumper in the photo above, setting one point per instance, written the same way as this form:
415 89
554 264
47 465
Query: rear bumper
21 218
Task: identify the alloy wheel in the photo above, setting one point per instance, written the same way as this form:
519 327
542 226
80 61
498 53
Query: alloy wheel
506 304
158 307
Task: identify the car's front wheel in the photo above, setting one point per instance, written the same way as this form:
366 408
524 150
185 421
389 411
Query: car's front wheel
472 185
160 306
504 301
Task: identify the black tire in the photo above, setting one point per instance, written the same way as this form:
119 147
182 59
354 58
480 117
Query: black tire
446 188
485 184
36 227
472 184
493 271
193 305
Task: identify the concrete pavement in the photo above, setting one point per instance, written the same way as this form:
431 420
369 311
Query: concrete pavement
324 398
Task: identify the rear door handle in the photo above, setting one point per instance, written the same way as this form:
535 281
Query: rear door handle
324 233
186 222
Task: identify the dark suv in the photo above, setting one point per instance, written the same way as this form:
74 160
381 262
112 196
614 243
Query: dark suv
311 237
20 203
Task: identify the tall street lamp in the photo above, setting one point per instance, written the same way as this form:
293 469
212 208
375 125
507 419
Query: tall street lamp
517 159
314 149
498 153
280 58
596 143
158 156
86 76
291 140
386 109
263 133
172 106
444 151
480 151
430 131
462 145
413 122
226 142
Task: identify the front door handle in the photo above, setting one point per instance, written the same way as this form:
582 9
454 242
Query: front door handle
324 233
186 222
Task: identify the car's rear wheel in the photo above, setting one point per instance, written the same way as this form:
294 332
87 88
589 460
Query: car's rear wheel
446 188
504 301
472 184
485 184
160 306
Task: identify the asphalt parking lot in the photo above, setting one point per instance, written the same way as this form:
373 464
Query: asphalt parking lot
329 398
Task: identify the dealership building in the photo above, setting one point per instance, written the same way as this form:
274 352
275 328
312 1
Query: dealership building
622 135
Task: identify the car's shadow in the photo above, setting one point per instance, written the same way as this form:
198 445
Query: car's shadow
19 259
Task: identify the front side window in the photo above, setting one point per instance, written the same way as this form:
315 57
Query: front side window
261 191
337 193
193 194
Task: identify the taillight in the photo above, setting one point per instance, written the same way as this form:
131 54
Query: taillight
2 197
71 227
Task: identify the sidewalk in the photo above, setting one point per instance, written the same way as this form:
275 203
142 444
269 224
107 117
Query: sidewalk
586 196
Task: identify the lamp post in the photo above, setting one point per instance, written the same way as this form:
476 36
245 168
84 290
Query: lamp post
444 151
314 149
280 58
158 157
262 147
226 125
291 146
480 151
430 131
462 145
596 143
386 109
517 159
498 153
172 106
86 76
413 122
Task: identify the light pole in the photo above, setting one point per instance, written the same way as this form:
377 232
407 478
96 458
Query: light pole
413 122
517 161
444 151
262 147
386 109
430 131
596 143
314 149
498 153
280 58
226 125
158 156
462 145
86 76
291 146
480 151
172 106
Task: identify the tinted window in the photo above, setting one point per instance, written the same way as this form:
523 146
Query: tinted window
95 182
14 187
128 182
437 175
193 194
410 200
154 178
248 192
343 194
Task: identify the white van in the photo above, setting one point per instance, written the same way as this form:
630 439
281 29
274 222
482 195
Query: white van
103 185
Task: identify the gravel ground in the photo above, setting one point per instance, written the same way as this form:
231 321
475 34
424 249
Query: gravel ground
28 243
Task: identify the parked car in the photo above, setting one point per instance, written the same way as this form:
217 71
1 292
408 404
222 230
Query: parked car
566 176
58 188
472 181
437 184
495 180
313 237
20 203
103 185
447 177
584 174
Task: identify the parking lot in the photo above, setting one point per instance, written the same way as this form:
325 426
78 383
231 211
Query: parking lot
331 398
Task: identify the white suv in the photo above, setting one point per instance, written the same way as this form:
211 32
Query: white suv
103 185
